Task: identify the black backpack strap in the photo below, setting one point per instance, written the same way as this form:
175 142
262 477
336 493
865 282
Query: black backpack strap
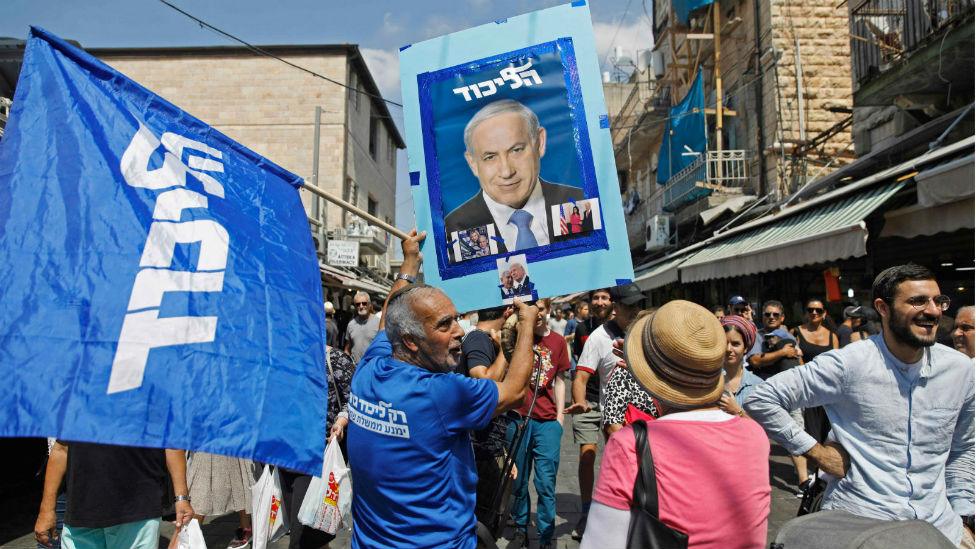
645 485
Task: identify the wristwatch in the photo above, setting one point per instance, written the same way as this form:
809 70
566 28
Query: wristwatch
408 278
180 498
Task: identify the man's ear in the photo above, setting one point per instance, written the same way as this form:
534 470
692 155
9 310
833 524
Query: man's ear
542 142
472 165
881 306
409 343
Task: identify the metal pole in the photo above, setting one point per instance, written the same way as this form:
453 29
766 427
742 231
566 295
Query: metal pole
373 220
315 162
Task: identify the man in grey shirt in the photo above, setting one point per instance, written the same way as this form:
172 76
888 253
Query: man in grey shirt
362 328
901 407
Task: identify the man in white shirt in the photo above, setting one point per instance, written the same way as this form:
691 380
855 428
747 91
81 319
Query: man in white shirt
504 144
598 358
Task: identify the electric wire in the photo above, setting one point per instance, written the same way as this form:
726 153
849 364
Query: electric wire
266 53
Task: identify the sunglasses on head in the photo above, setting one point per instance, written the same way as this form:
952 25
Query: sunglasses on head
815 310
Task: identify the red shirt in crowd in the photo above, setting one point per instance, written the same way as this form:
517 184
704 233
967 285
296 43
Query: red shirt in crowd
551 359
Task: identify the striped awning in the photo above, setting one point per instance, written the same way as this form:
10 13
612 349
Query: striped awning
835 230
660 274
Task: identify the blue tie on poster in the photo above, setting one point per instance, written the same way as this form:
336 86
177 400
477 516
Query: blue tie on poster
516 182
160 288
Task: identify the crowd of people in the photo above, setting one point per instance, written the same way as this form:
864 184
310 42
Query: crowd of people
873 411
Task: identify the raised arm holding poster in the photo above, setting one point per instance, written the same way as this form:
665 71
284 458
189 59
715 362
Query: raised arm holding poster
511 161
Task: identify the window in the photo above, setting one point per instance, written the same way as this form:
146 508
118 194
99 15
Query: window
374 130
371 205
391 151
354 89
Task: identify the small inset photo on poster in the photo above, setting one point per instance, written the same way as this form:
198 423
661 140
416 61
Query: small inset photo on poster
576 218
514 280
471 243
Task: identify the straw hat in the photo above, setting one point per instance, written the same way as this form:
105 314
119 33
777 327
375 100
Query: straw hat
677 354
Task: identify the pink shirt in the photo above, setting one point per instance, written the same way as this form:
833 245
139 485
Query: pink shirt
712 479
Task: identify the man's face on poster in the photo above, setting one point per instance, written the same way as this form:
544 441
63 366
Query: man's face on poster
518 272
504 156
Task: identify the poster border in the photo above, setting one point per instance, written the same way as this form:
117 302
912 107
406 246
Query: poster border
581 140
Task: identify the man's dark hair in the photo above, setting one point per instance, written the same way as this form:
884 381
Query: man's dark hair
604 290
774 303
493 313
887 281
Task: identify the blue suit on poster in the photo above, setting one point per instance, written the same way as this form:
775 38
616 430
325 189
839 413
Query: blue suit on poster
160 286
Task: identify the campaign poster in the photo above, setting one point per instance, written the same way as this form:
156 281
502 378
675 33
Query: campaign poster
511 163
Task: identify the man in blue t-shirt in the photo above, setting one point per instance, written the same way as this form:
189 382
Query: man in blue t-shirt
409 450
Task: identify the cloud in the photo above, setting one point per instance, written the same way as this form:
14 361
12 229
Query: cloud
384 65
632 36
390 25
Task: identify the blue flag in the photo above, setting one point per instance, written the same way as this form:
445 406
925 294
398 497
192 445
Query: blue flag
684 134
158 285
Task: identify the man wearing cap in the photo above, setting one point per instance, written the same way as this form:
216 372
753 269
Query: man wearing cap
901 410
739 306
711 467
853 317
597 359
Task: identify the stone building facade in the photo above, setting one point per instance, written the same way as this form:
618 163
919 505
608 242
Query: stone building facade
269 107
786 87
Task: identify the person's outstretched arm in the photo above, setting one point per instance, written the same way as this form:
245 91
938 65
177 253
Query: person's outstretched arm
410 267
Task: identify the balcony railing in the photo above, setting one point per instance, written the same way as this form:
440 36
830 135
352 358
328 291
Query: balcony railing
713 171
371 240
884 31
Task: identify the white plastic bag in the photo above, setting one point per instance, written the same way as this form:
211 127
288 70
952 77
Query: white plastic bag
268 516
191 536
328 499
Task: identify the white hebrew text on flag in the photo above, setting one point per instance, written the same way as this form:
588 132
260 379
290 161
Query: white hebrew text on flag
143 329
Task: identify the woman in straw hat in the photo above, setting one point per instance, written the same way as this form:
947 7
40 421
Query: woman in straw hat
711 467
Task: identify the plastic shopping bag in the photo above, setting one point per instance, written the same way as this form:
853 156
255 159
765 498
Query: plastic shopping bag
191 536
328 498
268 514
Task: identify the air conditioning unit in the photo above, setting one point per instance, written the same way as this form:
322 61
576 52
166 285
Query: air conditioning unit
657 232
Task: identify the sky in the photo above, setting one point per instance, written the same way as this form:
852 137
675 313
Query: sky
378 27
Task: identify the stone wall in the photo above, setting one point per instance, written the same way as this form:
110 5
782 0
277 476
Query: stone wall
270 107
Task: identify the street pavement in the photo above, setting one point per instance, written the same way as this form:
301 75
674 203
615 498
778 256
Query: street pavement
218 531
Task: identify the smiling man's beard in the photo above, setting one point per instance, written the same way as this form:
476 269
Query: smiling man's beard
427 361
900 326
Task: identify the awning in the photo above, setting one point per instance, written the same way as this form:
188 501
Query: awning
349 279
660 274
735 205
918 220
568 298
834 230
946 183
342 276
